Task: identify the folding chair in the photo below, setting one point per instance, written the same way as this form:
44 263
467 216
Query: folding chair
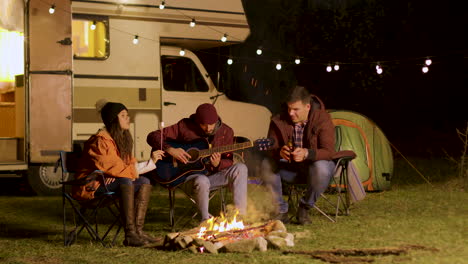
85 213
338 185
172 199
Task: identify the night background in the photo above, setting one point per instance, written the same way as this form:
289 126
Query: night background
418 112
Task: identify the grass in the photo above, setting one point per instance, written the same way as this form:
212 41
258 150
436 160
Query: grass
412 213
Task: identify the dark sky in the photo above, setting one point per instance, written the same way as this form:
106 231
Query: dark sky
357 34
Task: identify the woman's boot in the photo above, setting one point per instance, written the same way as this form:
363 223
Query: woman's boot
141 205
127 201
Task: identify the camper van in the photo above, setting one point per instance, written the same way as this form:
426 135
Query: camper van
138 52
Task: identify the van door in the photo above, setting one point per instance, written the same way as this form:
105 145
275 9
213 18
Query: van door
50 80
186 84
49 75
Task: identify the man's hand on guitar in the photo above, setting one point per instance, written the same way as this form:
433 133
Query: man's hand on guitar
215 159
179 154
157 155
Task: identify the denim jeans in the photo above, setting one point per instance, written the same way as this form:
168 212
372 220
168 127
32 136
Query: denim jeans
115 185
316 175
201 185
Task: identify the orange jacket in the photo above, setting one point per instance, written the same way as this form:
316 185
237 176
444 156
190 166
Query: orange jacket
101 153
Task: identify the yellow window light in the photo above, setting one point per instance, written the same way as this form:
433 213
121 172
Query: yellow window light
11 55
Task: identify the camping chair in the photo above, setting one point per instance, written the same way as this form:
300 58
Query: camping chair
338 185
85 213
172 198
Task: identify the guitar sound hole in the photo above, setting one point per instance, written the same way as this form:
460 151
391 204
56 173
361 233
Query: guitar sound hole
194 154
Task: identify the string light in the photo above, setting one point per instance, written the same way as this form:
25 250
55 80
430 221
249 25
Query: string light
428 61
378 68
52 9
278 66
259 51
224 38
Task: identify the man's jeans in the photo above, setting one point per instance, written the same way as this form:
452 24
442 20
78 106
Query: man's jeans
316 175
234 176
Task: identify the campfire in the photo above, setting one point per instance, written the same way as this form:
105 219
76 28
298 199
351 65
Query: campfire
228 234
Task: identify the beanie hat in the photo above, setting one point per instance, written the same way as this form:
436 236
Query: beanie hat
206 114
110 111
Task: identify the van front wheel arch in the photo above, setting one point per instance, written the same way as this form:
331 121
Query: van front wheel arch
44 180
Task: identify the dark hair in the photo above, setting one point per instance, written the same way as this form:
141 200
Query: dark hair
298 93
123 139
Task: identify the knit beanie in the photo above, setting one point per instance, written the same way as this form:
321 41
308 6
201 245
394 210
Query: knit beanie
110 111
206 114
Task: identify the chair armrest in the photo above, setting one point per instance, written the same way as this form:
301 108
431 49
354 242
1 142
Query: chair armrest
82 181
344 156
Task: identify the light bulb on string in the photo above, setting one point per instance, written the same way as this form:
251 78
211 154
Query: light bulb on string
259 51
336 67
297 60
135 40
224 38
378 68
278 66
192 23
329 68
93 26
182 52
52 9
428 62
229 61
162 5
425 69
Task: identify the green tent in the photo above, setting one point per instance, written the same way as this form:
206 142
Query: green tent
374 161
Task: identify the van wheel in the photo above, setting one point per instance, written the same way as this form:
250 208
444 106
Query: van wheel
44 181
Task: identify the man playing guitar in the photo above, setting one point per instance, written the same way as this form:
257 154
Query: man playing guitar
218 171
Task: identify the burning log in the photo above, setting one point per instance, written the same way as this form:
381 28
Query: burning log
272 234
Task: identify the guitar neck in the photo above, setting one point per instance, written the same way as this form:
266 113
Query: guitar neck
223 149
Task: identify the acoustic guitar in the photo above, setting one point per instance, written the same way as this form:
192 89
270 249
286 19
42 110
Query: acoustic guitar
171 172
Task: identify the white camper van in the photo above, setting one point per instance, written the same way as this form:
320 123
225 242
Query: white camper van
132 51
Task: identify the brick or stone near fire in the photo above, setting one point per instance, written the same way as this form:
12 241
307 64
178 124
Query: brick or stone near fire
259 237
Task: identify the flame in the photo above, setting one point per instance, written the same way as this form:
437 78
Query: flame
216 225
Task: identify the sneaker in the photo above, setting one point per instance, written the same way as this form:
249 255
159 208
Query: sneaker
303 215
283 217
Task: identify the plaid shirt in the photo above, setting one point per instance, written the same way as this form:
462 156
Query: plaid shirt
298 134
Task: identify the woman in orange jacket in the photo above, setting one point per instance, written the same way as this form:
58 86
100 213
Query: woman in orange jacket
110 150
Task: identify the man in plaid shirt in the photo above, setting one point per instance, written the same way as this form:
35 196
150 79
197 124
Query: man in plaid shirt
309 160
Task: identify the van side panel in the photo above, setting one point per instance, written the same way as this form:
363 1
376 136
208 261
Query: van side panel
129 75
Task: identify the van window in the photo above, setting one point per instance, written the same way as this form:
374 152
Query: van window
90 37
182 75
11 57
